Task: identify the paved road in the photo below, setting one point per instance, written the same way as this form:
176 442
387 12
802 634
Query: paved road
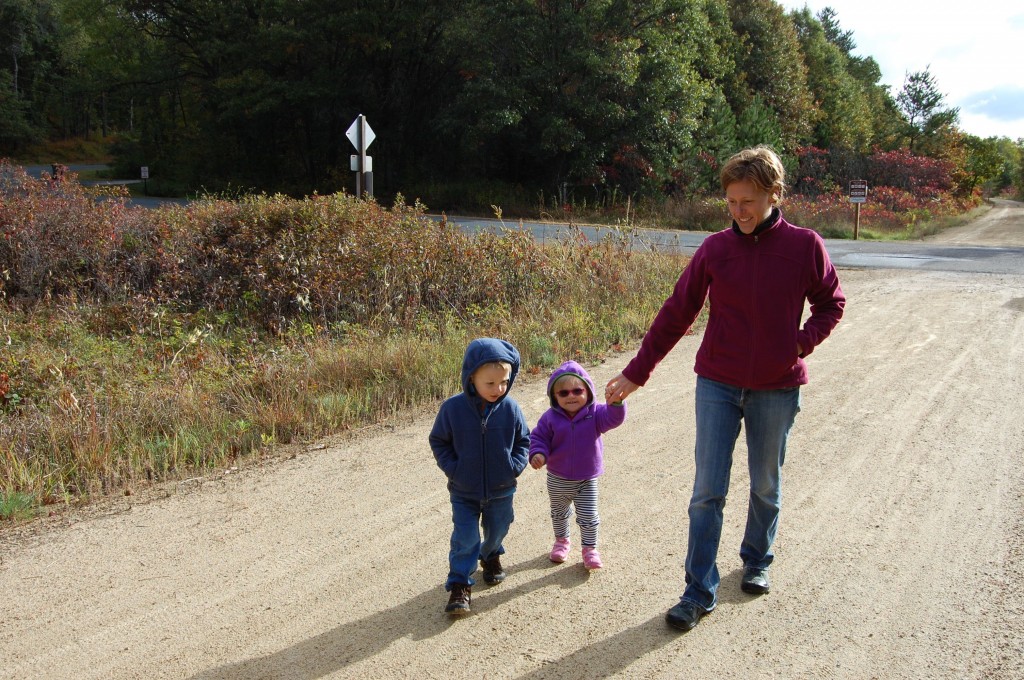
40 171
952 255
927 256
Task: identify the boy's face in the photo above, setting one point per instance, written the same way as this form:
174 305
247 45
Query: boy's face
571 394
491 381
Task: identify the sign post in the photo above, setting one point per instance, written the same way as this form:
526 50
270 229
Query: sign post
144 173
361 136
858 195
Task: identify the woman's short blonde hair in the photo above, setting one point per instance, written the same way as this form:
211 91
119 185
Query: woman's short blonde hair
759 165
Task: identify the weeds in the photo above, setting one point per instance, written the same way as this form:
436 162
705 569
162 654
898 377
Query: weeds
17 506
138 346
171 342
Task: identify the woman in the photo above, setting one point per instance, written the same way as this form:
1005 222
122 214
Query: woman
749 367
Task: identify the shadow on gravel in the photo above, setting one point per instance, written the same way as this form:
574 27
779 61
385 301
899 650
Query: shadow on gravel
419 618
610 656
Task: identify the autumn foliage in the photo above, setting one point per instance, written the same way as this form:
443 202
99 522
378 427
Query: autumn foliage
146 344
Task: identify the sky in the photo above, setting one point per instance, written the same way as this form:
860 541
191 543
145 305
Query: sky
972 49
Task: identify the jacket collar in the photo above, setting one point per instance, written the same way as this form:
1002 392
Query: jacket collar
774 217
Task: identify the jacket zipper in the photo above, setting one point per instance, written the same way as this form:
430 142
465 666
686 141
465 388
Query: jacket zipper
753 306
483 448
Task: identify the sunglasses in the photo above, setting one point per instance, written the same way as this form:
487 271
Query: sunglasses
576 391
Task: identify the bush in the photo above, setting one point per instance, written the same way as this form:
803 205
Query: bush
924 176
55 238
147 344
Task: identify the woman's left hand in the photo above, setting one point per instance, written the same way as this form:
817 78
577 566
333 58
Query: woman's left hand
618 388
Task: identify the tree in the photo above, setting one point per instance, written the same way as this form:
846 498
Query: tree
260 93
29 59
772 66
845 119
16 131
1010 155
887 125
985 164
1018 177
758 124
563 91
714 141
928 120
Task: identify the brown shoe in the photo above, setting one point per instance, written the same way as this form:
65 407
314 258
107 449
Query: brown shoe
458 602
493 573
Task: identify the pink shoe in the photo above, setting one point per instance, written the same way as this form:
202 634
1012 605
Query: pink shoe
591 558
560 550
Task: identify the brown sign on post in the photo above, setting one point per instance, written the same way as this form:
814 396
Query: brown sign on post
858 195
858 191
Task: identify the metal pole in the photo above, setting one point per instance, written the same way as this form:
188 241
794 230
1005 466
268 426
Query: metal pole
363 152
856 224
367 187
361 148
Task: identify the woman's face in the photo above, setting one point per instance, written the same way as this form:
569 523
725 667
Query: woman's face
748 205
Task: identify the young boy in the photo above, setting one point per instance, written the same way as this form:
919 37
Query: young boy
568 440
480 440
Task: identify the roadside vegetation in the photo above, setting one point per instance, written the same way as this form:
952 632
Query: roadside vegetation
141 346
910 196
138 346
613 103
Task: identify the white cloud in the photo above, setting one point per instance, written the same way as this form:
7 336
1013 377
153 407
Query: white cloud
971 49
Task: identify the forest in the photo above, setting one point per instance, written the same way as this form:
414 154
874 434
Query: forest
147 344
570 98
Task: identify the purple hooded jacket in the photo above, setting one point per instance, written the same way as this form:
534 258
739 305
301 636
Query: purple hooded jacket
572 447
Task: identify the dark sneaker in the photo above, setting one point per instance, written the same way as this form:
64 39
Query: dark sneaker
755 581
493 573
458 602
685 615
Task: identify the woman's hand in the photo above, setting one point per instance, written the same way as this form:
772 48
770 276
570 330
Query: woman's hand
618 388
537 461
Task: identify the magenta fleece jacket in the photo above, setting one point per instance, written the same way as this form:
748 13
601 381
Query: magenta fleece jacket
757 286
572 447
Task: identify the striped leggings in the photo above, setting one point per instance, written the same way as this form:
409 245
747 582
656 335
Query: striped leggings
564 494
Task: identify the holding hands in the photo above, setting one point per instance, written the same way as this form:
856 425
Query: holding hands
618 388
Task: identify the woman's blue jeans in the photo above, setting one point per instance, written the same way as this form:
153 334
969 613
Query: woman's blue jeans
767 416
467 549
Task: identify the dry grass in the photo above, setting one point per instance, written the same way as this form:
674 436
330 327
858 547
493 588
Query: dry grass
140 346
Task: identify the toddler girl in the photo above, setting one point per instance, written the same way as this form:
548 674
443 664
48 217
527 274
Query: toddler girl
568 440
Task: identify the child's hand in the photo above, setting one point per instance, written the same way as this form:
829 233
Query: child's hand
618 388
537 461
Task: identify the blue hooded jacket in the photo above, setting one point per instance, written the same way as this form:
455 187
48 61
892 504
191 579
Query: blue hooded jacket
482 448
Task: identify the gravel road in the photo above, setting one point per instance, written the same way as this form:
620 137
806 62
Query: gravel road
900 553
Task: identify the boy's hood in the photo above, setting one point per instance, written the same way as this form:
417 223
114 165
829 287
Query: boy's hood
570 368
483 351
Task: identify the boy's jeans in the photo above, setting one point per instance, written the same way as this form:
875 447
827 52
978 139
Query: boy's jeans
495 515
768 416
